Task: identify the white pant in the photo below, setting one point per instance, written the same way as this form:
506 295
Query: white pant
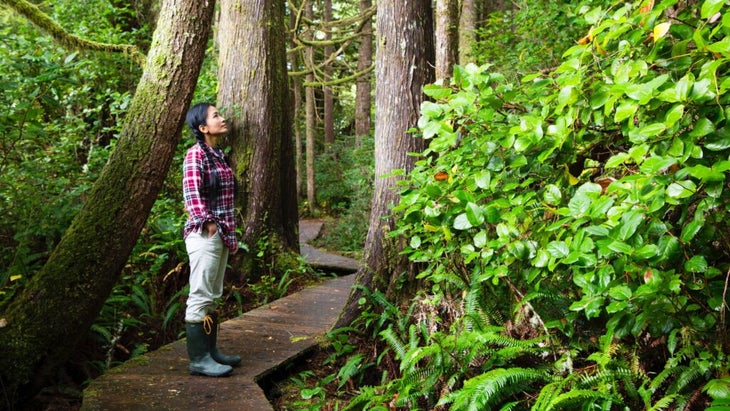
208 258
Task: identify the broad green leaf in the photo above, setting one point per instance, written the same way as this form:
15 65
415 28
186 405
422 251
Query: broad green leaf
722 46
710 7
682 189
630 221
642 134
461 222
696 264
480 239
620 292
558 249
474 214
552 194
625 110
673 115
703 126
719 140
656 164
415 241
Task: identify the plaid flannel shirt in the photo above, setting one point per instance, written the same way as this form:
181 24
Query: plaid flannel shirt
196 175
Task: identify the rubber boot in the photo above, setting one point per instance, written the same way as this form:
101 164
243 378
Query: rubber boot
231 360
201 363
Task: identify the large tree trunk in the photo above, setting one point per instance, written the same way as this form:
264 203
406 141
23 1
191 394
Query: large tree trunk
42 325
446 38
403 65
365 59
254 90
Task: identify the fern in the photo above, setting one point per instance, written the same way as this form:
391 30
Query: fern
575 399
484 390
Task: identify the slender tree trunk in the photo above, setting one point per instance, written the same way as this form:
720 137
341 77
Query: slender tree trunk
363 100
42 325
446 38
311 119
329 106
467 25
296 87
253 89
403 65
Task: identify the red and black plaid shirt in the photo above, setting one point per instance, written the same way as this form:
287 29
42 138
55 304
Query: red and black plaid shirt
197 171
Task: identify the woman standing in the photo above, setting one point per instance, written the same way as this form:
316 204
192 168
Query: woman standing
208 189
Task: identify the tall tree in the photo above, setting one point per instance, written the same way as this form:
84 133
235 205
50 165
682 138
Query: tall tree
403 65
363 100
42 325
328 94
467 25
446 38
253 88
310 109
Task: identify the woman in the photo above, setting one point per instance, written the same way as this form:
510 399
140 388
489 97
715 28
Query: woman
209 233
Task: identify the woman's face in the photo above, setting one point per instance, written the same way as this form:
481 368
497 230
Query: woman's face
215 124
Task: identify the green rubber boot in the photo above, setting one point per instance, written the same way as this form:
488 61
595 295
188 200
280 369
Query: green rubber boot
201 363
231 360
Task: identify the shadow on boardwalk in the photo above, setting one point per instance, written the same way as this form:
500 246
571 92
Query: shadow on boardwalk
266 338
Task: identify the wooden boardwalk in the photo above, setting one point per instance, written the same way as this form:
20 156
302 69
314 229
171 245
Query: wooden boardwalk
266 338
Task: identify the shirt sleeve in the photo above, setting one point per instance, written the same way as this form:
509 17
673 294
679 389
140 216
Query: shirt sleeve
192 185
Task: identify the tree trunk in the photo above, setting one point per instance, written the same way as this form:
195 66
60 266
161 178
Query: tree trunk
296 87
403 65
42 325
254 90
311 118
329 106
446 38
363 99
467 25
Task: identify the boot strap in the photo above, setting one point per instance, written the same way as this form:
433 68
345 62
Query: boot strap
208 324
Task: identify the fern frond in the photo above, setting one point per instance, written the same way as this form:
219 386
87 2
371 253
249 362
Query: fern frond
576 399
394 342
664 402
687 376
485 390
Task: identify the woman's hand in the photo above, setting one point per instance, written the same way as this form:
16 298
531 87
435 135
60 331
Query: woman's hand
210 228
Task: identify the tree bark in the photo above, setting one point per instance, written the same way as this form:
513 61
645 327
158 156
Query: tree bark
296 87
363 99
311 118
329 105
467 25
42 325
403 65
254 91
446 38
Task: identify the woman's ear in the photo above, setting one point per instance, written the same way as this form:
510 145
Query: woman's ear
203 128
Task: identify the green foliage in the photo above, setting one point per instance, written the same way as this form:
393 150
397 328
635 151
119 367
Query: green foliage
528 36
344 181
590 201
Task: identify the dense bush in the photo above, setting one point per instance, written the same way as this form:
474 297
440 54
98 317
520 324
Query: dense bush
587 207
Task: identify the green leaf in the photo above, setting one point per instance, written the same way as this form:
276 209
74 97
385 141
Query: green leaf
629 223
625 110
552 194
558 249
703 126
719 140
656 164
461 222
682 189
620 292
696 264
710 8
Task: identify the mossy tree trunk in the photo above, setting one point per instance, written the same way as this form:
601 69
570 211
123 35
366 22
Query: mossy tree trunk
363 101
42 325
253 89
403 65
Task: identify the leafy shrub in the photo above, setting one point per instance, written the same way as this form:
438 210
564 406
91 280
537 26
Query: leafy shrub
590 201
